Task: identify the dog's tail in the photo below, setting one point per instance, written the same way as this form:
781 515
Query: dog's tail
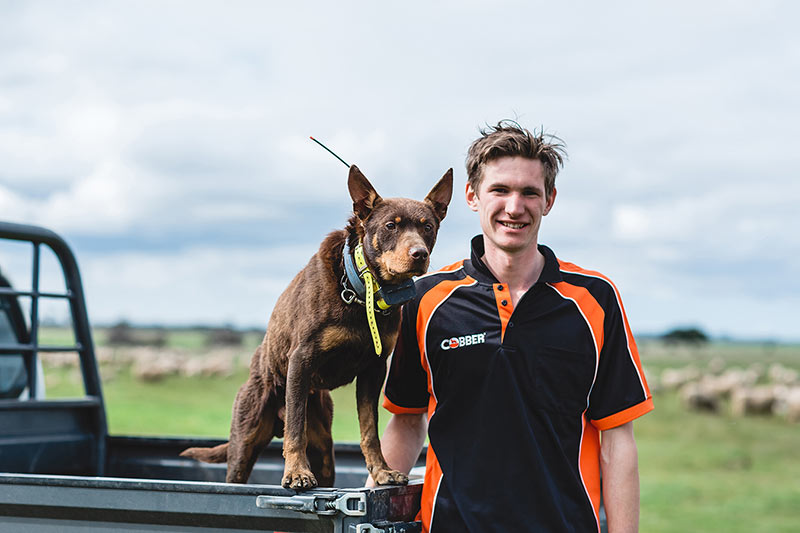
217 454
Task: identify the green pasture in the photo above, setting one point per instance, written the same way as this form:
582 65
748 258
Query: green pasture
705 472
188 339
180 406
699 472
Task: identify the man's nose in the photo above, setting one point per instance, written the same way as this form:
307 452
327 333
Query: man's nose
514 205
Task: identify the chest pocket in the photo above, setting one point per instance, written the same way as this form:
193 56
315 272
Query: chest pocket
562 379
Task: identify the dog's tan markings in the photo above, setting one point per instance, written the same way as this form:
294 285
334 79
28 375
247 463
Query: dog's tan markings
394 261
422 220
375 242
396 265
398 219
333 337
368 386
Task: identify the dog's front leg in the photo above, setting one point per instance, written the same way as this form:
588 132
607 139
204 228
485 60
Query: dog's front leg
368 389
297 472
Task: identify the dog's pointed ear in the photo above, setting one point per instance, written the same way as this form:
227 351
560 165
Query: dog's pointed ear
440 195
364 195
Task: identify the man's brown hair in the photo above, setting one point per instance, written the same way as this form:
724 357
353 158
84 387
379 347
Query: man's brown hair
509 139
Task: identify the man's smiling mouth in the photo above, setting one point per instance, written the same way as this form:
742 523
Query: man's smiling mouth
512 225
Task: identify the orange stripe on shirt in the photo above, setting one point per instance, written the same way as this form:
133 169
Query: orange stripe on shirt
427 306
451 268
632 349
431 301
591 310
504 310
589 459
589 466
397 410
623 417
430 489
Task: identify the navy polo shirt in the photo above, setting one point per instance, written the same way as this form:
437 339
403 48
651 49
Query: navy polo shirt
516 396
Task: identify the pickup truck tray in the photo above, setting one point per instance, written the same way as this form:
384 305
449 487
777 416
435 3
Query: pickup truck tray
147 486
43 504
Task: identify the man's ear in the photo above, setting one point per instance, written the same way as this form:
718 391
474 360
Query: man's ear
440 195
364 196
550 202
472 197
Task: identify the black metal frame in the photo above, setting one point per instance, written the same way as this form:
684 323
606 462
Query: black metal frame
31 349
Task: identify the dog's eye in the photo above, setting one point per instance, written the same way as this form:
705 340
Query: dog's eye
429 227
391 225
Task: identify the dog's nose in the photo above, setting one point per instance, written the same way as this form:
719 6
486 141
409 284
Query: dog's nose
418 253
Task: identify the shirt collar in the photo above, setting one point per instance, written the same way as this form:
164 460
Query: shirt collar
478 270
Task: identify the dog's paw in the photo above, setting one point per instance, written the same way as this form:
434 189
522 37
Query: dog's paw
389 477
299 480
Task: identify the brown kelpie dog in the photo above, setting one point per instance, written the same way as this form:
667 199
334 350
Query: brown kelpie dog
319 338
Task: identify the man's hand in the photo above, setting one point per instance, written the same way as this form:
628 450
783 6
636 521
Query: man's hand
619 461
402 442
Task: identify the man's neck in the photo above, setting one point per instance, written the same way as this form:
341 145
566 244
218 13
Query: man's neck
519 271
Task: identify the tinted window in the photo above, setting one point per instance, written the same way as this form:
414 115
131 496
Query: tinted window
13 378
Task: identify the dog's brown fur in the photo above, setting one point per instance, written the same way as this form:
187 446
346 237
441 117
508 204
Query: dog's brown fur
315 342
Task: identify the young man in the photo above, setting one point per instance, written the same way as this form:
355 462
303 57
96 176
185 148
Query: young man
521 367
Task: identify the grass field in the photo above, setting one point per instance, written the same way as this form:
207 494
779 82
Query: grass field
699 472
706 472
703 472
179 406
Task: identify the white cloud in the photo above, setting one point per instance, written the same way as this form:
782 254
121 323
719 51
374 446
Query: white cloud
731 220
111 199
631 222
11 205
103 202
191 285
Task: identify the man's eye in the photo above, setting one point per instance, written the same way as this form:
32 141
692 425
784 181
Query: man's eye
391 225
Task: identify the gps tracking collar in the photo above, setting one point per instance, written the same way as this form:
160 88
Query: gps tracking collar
365 290
364 287
387 295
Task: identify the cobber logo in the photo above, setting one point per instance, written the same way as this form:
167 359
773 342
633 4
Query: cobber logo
465 340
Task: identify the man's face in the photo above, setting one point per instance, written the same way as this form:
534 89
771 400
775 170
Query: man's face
511 202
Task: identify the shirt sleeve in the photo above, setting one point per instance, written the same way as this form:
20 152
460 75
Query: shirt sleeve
406 389
620 393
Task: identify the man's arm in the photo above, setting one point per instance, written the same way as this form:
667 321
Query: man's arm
402 441
619 461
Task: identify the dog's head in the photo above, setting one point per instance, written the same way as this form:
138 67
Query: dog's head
398 233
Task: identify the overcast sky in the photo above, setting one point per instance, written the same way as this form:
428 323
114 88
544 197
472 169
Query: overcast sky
168 143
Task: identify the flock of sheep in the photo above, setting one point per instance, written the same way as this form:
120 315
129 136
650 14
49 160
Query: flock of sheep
154 364
756 390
